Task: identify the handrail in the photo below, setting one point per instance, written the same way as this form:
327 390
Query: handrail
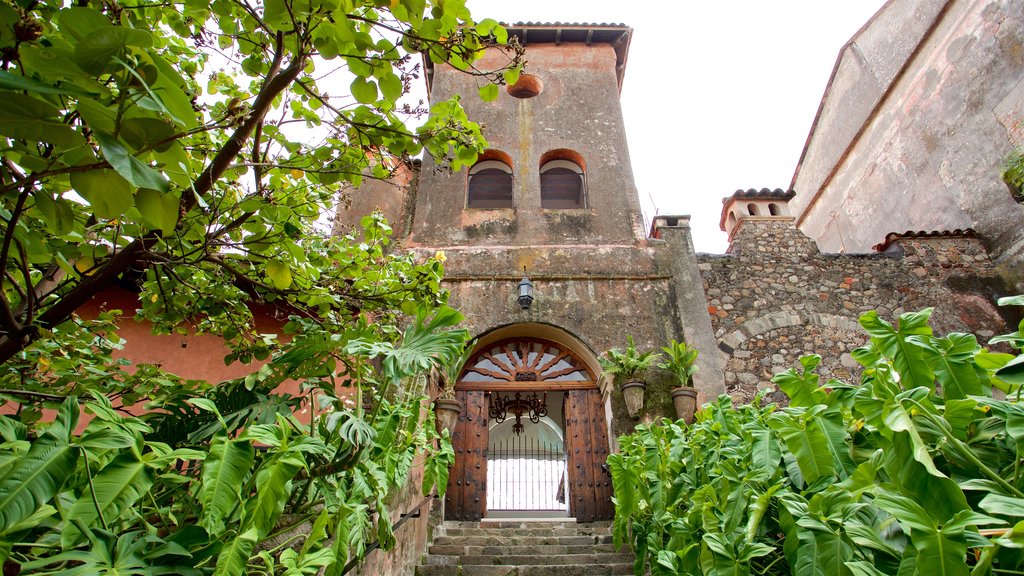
413 513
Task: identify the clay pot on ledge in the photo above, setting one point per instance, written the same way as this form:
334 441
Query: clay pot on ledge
633 394
447 411
685 400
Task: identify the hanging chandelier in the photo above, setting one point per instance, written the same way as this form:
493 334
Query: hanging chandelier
532 406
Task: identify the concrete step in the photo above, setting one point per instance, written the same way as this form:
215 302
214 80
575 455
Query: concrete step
533 559
580 530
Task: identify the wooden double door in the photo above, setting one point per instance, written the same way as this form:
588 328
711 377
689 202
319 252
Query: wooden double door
588 482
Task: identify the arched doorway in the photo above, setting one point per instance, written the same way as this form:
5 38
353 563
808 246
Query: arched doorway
531 367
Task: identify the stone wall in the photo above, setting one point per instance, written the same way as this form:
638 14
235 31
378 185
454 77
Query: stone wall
775 297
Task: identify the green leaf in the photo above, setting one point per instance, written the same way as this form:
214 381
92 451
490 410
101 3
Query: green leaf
169 87
118 486
106 191
224 471
96 51
363 90
20 83
30 119
1013 371
234 557
952 360
1003 505
273 487
35 478
56 213
489 92
159 210
128 166
147 133
280 274
801 387
390 86
807 442
908 358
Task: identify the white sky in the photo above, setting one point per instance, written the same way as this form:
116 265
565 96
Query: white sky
717 96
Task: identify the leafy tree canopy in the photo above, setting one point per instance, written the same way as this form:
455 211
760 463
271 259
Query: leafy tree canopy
187 149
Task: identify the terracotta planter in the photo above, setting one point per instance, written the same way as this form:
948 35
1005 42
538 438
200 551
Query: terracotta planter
447 411
633 394
685 400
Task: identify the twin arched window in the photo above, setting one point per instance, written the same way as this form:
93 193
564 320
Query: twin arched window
490 185
562 183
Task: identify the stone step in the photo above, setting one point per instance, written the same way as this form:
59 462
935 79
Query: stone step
534 559
460 548
531 531
511 539
546 570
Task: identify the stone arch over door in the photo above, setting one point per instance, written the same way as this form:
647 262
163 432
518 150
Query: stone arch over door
532 357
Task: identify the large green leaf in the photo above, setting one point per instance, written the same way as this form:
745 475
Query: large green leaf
224 471
35 478
118 486
801 387
109 195
95 52
234 556
952 360
273 487
907 358
159 209
20 83
128 166
34 120
807 442
765 451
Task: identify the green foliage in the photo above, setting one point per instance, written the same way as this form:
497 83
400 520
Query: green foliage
681 361
916 471
190 147
627 363
1013 174
453 369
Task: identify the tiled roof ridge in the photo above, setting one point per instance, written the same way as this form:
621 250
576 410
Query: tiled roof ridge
765 193
894 236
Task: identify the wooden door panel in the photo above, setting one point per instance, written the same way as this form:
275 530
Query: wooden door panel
465 498
586 443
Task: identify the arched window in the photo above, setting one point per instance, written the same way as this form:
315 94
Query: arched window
752 209
774 210
562 185
490 185
525 360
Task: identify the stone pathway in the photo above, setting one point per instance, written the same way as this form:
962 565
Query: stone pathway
520 548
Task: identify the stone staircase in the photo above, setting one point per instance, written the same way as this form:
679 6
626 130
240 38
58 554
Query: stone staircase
524 548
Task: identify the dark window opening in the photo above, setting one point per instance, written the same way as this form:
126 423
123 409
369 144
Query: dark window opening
561 188
490 188
773 209
752 209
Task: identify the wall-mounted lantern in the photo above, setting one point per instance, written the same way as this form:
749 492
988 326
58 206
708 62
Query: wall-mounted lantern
525 292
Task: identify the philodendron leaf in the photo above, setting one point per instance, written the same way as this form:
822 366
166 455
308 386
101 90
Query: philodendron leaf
234 557
952 360
118 486
807 442
802 387
224 471
35 478
128 166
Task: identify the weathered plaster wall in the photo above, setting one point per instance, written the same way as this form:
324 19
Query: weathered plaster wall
775 298
578 109
929 154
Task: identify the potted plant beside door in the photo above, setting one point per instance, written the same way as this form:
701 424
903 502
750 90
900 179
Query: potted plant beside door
682 364
446 407
627 365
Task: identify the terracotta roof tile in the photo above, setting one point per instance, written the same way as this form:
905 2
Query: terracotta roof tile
894 236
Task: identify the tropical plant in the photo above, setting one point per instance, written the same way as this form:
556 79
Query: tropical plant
681 361
1013 174
451 370
915 471
242 487
627 363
